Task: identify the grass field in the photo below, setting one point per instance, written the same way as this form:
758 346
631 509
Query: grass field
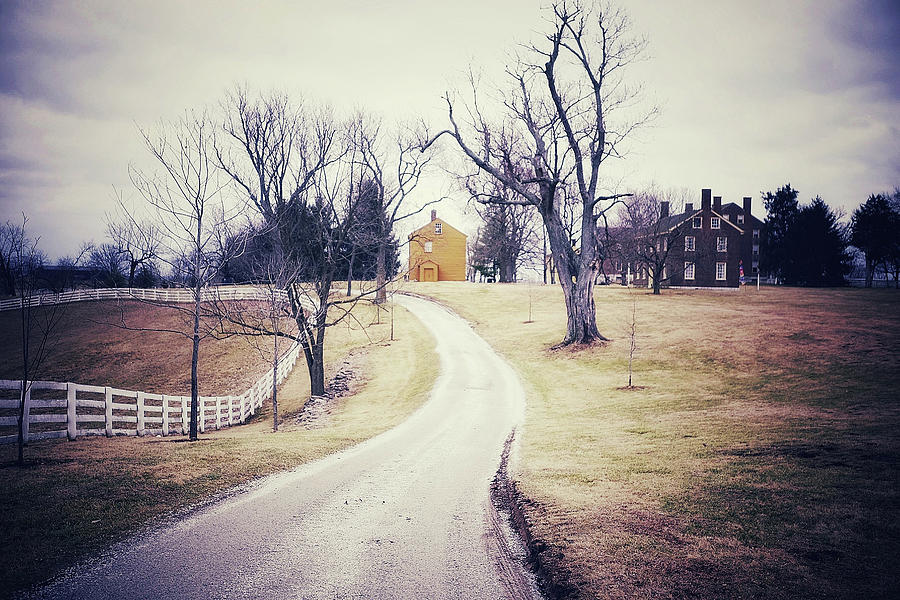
758 459
75 498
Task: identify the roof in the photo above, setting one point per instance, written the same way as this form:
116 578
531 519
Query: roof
673 221
444 227
741 209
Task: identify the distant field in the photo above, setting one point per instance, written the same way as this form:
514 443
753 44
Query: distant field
75 498
87 351
760 459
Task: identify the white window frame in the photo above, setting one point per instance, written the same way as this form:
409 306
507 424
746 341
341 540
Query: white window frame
429 246
697 222
689 271
715 223
740 219
721 243
723 266
689 247
755 234
438 229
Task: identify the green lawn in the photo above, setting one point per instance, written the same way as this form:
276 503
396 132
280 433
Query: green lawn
759 458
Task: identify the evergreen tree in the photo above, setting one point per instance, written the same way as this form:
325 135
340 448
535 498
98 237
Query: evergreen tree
875 230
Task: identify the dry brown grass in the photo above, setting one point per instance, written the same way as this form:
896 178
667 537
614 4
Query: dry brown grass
759 461
75 498
90 351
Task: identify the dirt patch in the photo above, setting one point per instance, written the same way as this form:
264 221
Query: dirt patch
317 410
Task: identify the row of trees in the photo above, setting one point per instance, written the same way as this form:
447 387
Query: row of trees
809 244
875 230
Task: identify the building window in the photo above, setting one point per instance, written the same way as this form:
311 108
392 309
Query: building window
721 271
755 249
697 222
689 242
721 244
689 271
740 219
727 217
714 222
756 234
427 246
437 228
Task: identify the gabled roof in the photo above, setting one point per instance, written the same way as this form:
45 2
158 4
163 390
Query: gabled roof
430 224
741 209
672 221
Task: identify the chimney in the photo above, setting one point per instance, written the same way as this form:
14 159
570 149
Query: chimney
433 214
717 203
663 209
747 201
705 198
689 207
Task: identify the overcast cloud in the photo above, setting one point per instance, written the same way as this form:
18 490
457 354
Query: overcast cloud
753 95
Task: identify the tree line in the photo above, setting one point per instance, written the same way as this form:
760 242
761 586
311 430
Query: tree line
808 244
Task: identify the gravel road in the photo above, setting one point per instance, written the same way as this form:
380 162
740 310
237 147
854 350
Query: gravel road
404 515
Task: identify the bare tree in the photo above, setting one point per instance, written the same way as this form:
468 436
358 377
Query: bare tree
11 240
39 323
266 321
138 242
648 232
187 206
108 265
556 133
302 169
393 165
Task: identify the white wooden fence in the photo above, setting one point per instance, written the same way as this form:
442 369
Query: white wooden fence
104 410
56 410
161 295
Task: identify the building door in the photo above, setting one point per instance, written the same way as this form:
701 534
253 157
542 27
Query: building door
429 274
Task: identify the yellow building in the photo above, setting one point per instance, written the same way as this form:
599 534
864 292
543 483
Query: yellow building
437 252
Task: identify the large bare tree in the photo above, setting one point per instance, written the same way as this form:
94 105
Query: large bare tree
190 214
302 169
557 130
393 166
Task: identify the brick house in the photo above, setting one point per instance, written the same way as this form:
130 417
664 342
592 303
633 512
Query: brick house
437 252
707 246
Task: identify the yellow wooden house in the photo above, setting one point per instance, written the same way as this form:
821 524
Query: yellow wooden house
437 252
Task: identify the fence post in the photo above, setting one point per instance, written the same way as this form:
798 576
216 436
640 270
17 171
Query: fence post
109 415
218 412
26 413
165 415
230 411
184 416
243 406
140 414
71 418
202 416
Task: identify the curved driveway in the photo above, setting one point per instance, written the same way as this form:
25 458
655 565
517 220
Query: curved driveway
403 515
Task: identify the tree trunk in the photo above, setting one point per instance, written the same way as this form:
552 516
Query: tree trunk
131 269
576 277
275 387
656 282
315 363
195 360
350 271
26 363
381 272
870 272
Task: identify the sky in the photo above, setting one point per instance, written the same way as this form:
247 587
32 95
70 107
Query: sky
753 95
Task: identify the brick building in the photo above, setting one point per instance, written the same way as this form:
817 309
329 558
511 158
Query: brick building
708 246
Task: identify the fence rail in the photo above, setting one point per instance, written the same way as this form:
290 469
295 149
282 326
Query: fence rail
56 410
162 295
